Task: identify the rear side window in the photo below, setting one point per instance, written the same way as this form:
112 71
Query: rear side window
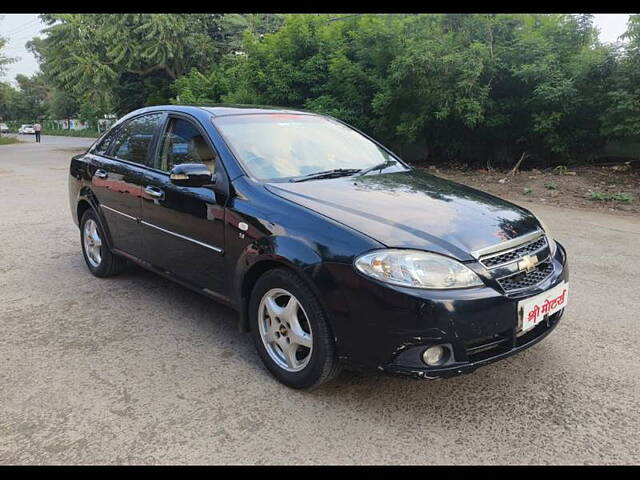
133 140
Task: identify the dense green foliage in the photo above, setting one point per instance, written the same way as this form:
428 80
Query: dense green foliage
117 63
471 87
96 64
4 60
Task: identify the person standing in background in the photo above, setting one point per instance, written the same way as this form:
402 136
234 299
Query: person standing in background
37 128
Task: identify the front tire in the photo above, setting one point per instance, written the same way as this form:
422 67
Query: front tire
290 330
99 259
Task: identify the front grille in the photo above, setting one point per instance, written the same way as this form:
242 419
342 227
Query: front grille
522 280
515 254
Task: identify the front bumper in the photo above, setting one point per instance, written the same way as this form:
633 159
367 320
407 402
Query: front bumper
474 354
388 327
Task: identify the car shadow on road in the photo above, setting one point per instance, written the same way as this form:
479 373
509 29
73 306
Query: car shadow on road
217 323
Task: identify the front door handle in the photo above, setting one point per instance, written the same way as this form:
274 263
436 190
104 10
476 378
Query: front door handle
101 173
154 192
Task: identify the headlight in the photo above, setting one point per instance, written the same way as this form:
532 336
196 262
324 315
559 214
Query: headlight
414 268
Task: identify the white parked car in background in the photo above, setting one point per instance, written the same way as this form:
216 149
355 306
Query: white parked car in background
3 128
26 129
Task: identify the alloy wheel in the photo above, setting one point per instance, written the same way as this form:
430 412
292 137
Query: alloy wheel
285 330
92 243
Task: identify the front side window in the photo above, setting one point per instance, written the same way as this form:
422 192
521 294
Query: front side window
182 142
103 147
277 146
134 139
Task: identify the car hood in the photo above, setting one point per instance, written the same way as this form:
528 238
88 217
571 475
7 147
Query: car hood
414 209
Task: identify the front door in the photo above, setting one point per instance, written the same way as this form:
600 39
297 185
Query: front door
183 227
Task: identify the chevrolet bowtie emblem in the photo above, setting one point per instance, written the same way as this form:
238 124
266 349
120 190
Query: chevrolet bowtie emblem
528 263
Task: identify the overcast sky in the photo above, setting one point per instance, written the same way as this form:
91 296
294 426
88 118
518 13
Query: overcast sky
19 28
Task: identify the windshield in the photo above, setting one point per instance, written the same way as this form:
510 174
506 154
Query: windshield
284 146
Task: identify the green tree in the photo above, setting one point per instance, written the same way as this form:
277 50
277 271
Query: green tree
7 101
4 60
6 92
126 61
621 117
63 106
30 101
466 86
546 78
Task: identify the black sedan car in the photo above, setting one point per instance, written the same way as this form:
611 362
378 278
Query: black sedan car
332 249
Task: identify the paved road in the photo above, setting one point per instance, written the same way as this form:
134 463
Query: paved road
136 369
54 142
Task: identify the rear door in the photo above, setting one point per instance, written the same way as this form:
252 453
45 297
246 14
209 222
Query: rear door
117 172
183 227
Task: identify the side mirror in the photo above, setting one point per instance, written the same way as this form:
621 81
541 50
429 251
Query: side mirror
191 175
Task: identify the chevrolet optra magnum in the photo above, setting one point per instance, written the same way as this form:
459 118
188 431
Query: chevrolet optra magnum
333 250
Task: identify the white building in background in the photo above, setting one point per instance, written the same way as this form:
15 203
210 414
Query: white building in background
106 122
70 124
77 124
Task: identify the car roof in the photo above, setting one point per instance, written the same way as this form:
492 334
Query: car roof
221 110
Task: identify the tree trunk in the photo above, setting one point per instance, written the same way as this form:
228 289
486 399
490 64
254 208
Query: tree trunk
515 168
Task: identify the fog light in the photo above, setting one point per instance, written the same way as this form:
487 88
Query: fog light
434 356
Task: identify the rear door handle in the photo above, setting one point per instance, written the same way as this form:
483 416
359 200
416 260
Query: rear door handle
101 173
154 192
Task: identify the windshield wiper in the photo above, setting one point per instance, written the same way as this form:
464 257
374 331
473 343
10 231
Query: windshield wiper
336 172
379 166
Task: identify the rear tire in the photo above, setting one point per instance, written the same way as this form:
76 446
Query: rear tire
290 330
99 259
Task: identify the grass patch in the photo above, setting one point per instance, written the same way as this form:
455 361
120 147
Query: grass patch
605 197
8 140
551 186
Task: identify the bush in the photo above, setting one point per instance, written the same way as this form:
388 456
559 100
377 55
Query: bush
615 197
8 140
73 133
